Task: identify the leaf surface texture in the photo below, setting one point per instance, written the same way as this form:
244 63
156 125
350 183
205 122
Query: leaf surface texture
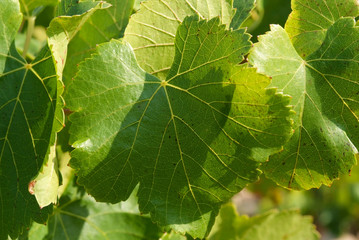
325 98
28 100
192 140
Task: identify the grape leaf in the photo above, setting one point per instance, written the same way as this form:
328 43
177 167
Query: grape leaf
151 31
182 138
28 100
47 181
325 95
62 29
309 21
243 9
79 217
288 225
102 26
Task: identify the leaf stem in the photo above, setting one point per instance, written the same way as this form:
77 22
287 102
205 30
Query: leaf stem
29 32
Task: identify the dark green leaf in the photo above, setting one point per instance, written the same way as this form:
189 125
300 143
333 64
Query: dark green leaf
75 7
28 100
79 217
243 9
269 12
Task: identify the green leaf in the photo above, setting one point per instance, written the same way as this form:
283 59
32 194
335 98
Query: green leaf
155 37
288 225
28 99
102 26
325 95
76 7
189 140
79 217
64 28
27 6
308 23
243 9
47 182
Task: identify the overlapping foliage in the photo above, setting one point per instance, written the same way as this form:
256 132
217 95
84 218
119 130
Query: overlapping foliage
164 100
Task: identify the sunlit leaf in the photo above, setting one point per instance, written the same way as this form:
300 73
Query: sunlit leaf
325 91
190 140
151 31
47 182
308 23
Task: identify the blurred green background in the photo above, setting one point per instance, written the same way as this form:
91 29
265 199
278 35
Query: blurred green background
335 209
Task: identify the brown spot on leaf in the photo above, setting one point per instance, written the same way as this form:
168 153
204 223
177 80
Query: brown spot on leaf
31 187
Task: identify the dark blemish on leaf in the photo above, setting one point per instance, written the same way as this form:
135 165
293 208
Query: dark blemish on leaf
283 163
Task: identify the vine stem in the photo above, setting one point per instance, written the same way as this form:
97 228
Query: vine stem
29 32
